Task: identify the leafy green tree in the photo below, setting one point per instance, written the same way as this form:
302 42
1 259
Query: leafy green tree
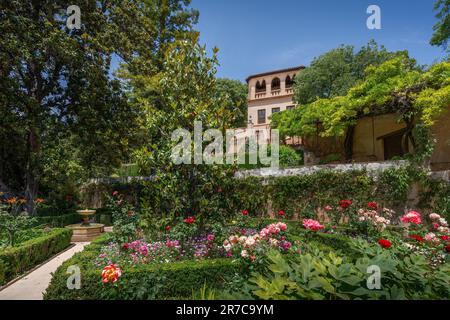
335 72
441 29
235 94
60 107
169 100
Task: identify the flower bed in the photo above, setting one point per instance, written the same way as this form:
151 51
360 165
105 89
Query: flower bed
140 281
17 260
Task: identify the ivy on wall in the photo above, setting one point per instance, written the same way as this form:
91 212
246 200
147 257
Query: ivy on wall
298 195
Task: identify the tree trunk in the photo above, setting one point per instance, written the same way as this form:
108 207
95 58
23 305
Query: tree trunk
407 136
31 186
348 143
4 187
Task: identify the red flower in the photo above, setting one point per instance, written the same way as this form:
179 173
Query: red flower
372 205
445 238
344 204
281 213
130 213
416 237
126 246
189 220
245 212
447 248
386 244
167 228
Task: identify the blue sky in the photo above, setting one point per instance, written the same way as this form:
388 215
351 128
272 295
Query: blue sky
261 35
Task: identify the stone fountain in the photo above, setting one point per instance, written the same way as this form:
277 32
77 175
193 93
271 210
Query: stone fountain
86 231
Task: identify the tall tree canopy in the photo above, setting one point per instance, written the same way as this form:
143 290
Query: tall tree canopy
441 29
335 72
60 107
235 93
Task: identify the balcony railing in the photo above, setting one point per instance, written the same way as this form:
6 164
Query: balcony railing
273 93
276 92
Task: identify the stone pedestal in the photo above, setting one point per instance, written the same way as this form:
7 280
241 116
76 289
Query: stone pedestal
86 233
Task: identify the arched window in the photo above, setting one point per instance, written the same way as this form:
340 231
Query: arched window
276 84
289 81
261 87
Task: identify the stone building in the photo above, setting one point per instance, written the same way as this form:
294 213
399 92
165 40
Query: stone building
375 138
268 93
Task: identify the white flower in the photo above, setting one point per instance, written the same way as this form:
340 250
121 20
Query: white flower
249 242
443 222
244 254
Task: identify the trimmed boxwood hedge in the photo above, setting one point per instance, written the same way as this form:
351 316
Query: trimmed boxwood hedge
17 260
60 221
154 281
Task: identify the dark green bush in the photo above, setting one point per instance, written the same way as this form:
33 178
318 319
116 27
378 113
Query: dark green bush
161 281
60 221
17 260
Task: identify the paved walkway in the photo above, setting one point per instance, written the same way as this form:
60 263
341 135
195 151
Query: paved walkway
34 284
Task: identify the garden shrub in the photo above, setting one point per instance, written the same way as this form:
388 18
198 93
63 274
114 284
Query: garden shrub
329 276
59 221
141 282
335 242
17 260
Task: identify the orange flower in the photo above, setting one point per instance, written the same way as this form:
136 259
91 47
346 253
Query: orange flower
11 201
111 273
40 200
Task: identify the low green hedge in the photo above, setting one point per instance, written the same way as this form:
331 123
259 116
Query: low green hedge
101 216
142 282
60 221
17 260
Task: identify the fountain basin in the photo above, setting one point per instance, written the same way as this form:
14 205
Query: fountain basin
86 233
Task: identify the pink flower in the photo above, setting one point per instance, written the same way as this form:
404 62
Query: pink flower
210 237
244 254
434 216
431 237
115 193
412 217
286 245
311 224
282 226
328 208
